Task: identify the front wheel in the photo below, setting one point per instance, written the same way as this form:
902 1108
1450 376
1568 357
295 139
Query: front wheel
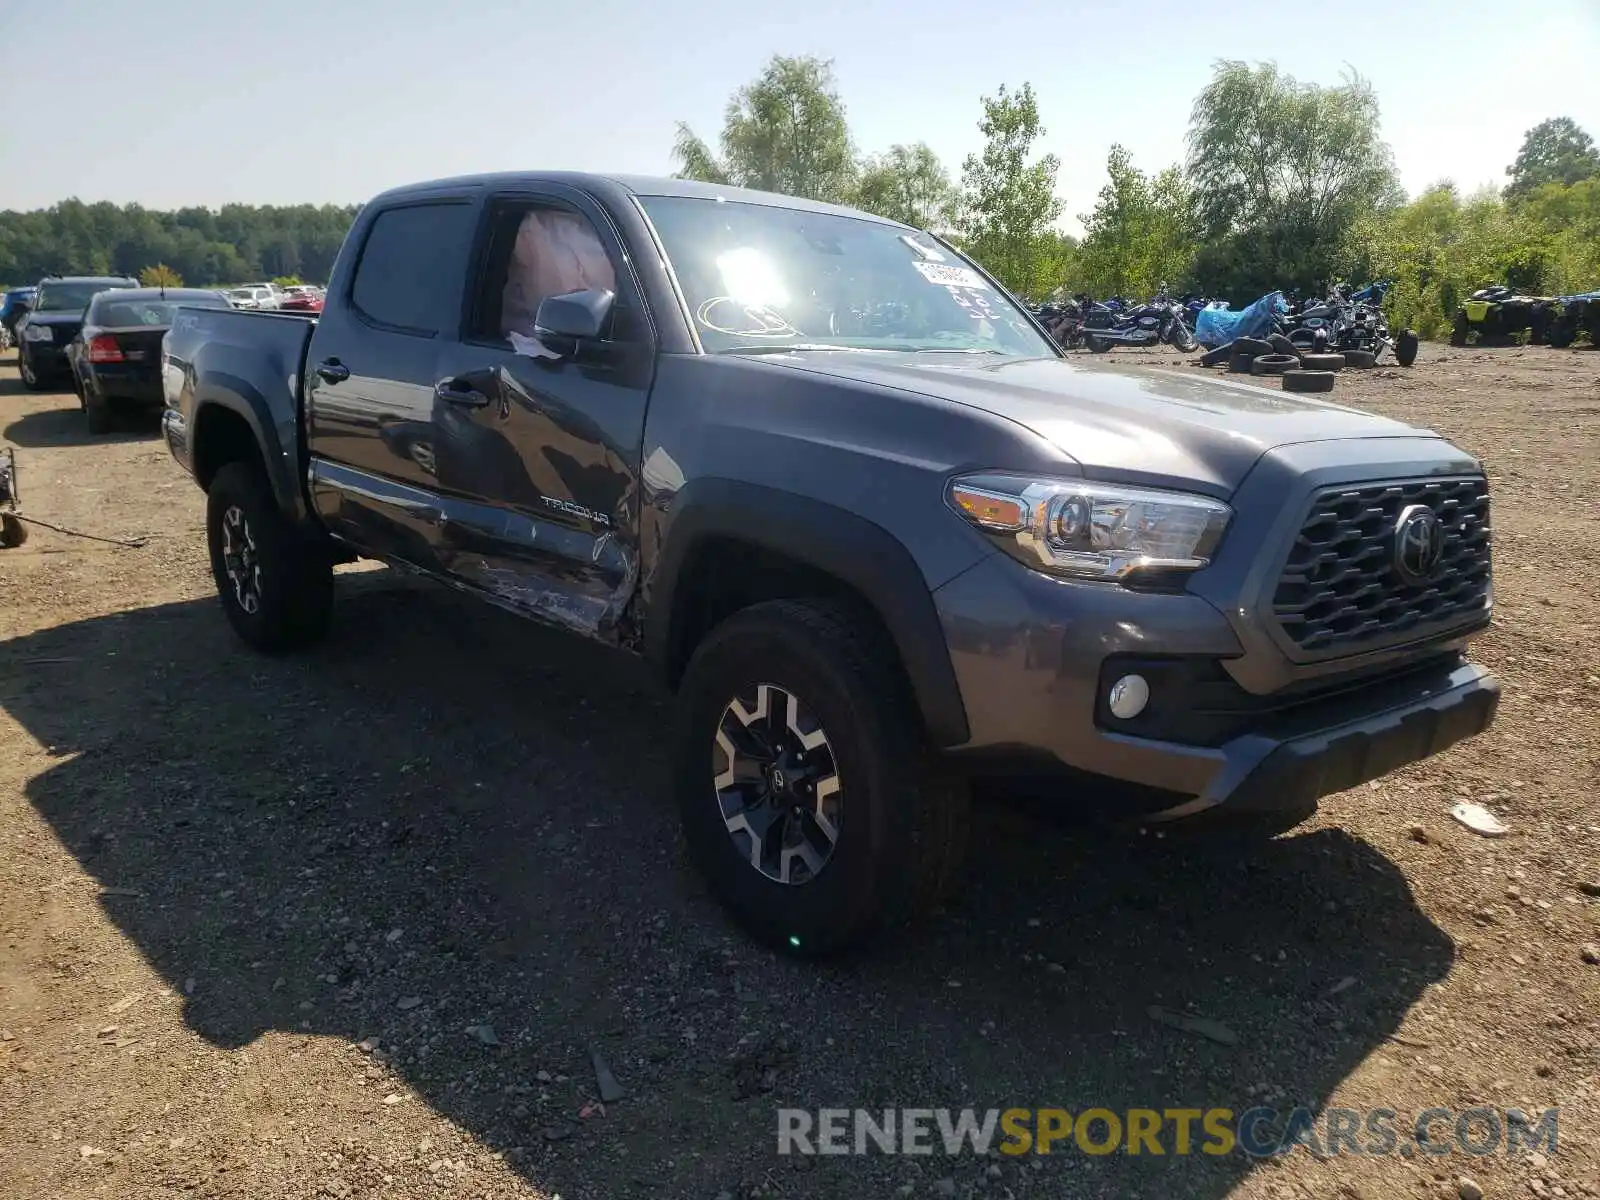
810 798
31 379
276 587
1406 347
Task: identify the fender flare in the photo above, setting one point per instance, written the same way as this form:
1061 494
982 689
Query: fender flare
852 549
216 390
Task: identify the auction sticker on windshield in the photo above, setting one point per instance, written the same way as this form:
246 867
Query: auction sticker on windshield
949 276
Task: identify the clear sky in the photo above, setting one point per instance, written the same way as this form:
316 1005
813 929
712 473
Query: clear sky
172 102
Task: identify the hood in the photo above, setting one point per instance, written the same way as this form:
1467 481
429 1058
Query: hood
1131 423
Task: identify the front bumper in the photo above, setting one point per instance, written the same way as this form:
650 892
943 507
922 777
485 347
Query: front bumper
1030 651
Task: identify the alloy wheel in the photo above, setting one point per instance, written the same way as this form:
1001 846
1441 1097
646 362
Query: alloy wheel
777 785
241 560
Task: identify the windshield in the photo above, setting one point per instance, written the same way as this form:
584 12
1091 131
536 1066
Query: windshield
761 277
242 294
117 314
67 297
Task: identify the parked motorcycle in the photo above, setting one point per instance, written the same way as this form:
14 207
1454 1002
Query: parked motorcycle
1349 321
1161 320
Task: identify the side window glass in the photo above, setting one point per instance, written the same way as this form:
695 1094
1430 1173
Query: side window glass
409 266
534 253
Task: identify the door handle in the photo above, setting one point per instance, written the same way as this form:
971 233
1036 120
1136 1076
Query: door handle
452 391
333 370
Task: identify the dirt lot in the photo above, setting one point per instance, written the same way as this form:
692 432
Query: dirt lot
254 915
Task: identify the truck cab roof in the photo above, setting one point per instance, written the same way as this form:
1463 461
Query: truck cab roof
618 186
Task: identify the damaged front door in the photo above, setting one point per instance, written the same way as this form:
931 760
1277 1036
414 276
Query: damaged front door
537 448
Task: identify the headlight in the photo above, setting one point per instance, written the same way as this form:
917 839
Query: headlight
1092 530
37 333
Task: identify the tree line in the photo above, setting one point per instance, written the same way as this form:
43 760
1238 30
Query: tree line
199 246
1285 184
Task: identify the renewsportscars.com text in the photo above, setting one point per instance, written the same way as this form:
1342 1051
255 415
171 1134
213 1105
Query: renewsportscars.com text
1257 1132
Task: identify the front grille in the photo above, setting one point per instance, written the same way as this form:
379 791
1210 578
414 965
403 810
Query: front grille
1340 589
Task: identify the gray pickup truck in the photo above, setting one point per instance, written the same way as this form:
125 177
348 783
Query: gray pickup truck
878 533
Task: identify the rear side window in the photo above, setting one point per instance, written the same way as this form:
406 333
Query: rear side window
411 267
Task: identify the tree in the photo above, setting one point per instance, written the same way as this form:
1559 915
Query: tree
1140 234
1284 170
1008 204
910 185
783 132
1553 151
160 275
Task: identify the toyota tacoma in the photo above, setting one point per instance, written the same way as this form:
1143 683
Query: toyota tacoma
880 535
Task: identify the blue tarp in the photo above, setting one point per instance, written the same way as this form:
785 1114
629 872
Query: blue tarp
1219 326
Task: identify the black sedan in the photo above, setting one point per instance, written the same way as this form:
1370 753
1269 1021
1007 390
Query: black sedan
45 332
116 357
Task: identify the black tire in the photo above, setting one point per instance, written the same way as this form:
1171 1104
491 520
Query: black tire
1360 359
31 379
12 531
903 820
1274 364
1252 346
1097 345
1458 331
1239 364
292 578
1406 346
1183 340
97 409
1282 345
1214 358
1322 362
1308 381
1564 331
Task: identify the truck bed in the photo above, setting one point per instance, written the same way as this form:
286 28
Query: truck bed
253 364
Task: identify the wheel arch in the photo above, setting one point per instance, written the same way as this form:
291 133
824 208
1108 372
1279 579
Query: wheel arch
731 544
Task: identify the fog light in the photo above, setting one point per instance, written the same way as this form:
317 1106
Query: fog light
1128 696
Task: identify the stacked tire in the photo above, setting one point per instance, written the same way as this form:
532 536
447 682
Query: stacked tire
1277 355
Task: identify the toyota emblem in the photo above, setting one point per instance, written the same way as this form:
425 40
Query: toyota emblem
1418 543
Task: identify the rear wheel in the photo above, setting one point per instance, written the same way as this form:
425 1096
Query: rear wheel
276 587
1097 344
96 408
810 798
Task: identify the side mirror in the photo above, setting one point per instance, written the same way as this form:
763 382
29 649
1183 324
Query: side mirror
575 316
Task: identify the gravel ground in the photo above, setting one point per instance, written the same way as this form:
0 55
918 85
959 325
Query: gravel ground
350 924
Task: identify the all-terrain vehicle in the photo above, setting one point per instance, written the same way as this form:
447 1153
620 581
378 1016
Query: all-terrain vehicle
1576 315
1494 315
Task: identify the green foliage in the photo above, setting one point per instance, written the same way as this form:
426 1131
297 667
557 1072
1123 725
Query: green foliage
1009 206
287 281
783 132
202 245
1439 249
1285 170
160 275
1553 151
1141 233
910 185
